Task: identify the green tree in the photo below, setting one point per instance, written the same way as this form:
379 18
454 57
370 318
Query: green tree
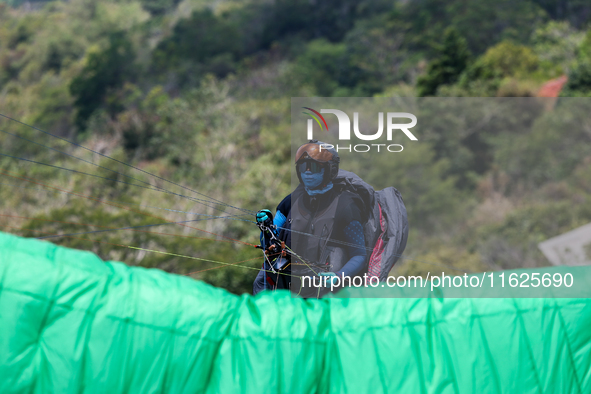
448 66
311 20
483 23
513 243
105 71
204 39
579 77
159 7
557 43
579 81
326 67
504 60
499 64
576 12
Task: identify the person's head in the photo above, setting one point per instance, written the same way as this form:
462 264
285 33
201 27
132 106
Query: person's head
317 164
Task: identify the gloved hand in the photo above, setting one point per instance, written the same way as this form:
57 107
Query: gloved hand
264 216
332 281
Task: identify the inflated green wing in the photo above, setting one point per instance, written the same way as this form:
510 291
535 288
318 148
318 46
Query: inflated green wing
71 323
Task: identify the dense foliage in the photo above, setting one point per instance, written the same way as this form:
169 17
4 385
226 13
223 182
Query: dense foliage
198 93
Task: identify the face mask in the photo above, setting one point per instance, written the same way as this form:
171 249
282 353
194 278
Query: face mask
312 181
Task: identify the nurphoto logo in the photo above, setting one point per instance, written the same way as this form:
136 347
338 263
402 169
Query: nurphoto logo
345 129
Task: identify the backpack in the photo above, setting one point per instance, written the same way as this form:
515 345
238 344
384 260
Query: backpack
386 225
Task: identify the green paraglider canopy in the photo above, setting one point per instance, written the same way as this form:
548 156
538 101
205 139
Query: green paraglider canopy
71 323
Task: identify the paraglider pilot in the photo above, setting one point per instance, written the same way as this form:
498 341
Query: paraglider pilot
320 225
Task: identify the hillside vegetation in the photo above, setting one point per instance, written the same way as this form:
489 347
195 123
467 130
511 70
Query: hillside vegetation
198 94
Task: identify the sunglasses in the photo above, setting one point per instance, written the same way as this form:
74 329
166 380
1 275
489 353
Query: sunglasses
312 166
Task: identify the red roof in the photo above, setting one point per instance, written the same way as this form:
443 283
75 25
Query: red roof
552 88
